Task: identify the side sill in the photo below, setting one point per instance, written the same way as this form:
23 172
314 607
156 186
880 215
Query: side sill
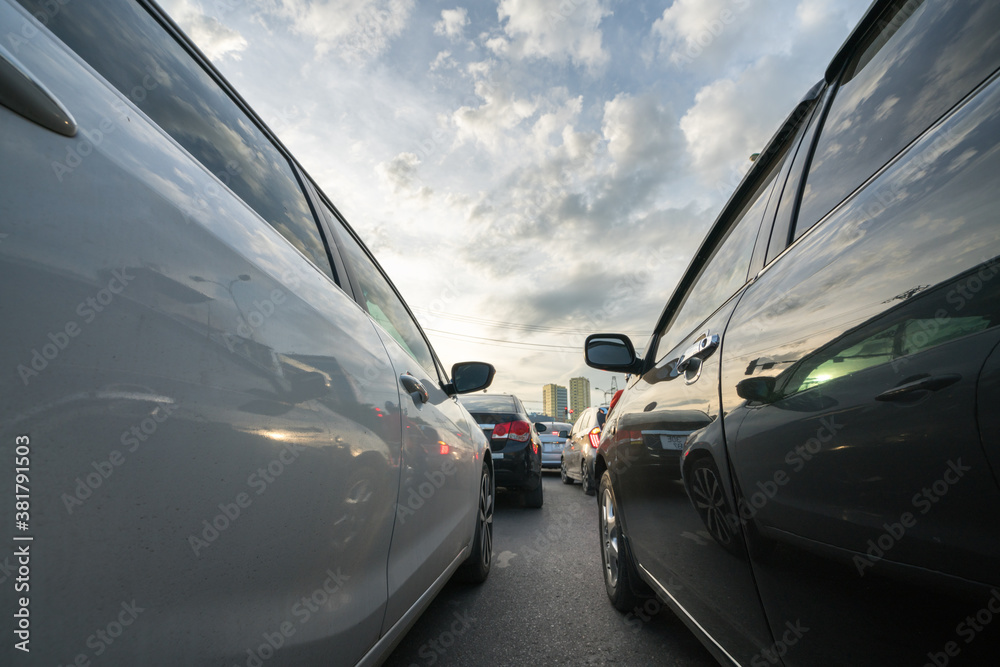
390 639
714 647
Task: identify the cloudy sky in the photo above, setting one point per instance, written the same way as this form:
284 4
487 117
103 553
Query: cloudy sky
526 171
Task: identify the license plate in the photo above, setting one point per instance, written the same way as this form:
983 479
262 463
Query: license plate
497 455
673 442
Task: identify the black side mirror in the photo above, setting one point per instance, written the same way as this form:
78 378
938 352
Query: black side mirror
611 352
468 376
540 427
757 390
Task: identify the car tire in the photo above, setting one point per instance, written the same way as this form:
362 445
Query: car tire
477 566
589 483
709 499
566 479
621 578
533 498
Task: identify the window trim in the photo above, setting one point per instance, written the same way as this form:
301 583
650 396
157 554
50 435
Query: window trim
727 219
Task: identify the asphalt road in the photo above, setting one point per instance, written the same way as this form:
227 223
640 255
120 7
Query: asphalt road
544 602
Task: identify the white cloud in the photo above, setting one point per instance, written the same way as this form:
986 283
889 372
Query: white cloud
452 23
443 60
212 37
501 109
555 29
354 29
400 174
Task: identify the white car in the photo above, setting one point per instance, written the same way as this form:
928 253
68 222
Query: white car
227 438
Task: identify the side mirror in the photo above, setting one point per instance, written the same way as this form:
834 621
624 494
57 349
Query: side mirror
540 427
468 376
757 390
611 352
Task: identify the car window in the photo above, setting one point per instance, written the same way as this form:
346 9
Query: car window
381 300
133 52
923 321
725 271
919 60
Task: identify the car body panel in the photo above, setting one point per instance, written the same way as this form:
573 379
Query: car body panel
855 448
208 446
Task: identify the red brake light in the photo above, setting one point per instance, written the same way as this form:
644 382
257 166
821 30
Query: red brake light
595 436
519 430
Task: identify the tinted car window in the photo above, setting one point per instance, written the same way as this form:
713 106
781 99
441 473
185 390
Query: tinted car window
725 272
489 403
128 47
382 302
917 63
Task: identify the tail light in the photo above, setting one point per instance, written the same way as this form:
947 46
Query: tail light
595 436
519 430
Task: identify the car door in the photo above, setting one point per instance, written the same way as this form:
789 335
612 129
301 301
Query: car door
853 362
202 445
685 533
441 459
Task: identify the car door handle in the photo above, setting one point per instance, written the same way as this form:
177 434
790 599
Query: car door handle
927 383
22 93
413 386
699 350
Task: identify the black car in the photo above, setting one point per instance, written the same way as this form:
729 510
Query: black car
830 360
514 442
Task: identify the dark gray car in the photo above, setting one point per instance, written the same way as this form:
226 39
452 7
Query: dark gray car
227 439
826 376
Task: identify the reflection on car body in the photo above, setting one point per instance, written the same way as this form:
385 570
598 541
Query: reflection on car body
841 322
231 414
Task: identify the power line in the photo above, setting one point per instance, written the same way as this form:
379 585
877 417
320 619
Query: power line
501 341
513 325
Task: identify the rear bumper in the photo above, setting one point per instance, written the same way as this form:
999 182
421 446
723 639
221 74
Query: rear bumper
516 466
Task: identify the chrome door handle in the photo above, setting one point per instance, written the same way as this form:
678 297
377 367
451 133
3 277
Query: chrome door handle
22 93
413 386
699 350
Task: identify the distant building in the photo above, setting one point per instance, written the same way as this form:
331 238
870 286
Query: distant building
579 396
554 401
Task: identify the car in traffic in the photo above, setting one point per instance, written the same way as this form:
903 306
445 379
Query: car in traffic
553 439
229 439
515 444
577 462
825 372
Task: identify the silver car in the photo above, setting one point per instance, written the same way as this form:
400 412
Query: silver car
577 462
553 439
226 437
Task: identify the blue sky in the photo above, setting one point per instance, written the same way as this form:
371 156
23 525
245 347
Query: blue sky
526 171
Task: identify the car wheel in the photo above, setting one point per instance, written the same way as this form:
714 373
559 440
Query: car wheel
621 579
566 479
533 498
710 501
589 483
477 566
